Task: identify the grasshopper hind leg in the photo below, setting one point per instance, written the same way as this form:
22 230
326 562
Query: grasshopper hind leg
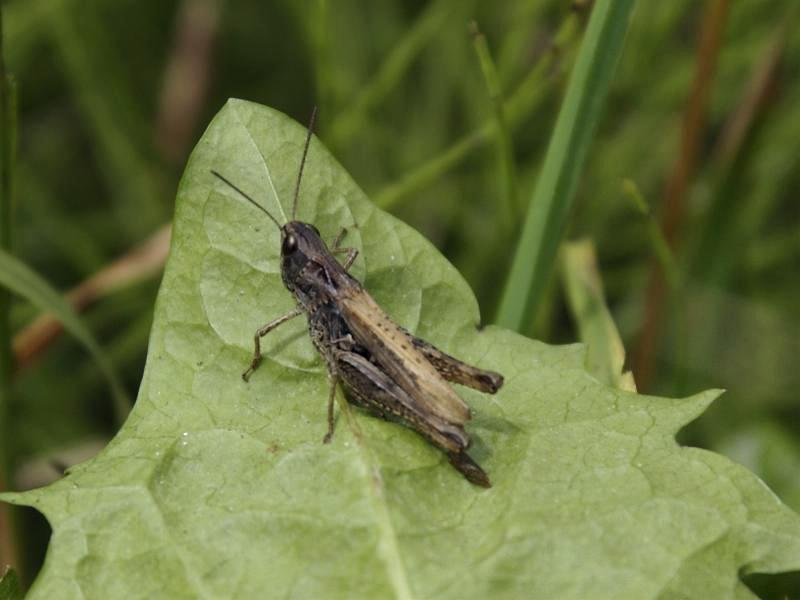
457 371
331 415
471 470
370 388
352 399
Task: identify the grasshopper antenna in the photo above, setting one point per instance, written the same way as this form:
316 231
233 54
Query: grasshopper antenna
303 161
248 198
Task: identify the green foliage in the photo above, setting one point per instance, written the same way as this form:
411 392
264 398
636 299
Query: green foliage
9 586
550 203
404 107
605 354
20 279
217 488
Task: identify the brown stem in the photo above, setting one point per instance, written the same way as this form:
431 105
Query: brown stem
186 77
757 92
139 263
683 170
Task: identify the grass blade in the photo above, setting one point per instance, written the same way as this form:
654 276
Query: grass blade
526 98
22 280
605 356
391 71
505 147
555 189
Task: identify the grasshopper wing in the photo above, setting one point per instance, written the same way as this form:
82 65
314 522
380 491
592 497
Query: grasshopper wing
394 350
372 388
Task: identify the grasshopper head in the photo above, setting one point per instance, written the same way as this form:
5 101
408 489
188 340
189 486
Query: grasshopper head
301 248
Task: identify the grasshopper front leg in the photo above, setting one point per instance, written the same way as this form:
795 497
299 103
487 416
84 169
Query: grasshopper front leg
352 253
261 333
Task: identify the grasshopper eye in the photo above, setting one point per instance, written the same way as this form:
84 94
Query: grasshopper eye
289 244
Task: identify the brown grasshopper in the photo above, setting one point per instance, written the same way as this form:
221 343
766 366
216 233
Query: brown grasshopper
382 367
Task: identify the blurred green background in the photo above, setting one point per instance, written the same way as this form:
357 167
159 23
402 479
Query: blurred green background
701 121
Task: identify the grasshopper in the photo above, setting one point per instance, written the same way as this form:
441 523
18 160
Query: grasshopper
382 367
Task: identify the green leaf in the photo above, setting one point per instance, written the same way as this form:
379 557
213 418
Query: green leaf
219 489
